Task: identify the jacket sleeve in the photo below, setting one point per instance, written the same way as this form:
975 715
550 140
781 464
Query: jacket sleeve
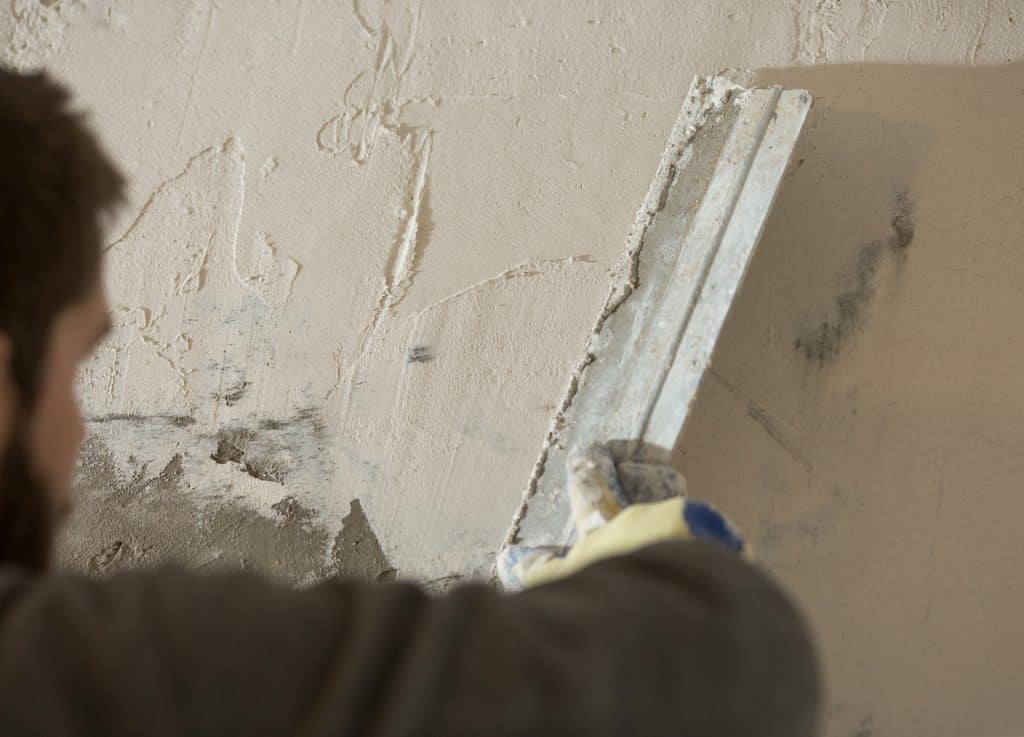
679 638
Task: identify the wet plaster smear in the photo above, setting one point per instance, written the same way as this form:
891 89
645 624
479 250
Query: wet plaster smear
366 242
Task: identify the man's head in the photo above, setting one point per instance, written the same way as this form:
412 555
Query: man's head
55 184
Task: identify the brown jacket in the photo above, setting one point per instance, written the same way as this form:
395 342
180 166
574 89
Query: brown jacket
677 639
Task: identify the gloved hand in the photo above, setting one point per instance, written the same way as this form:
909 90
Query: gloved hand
616 509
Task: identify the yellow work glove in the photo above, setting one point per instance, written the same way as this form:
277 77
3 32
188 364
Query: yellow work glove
616 509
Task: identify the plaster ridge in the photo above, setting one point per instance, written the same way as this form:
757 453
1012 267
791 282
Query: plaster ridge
233 145
194 280
361 18
409 248
384 93
158 191
524 270
269 266
872 21
981 33
817 24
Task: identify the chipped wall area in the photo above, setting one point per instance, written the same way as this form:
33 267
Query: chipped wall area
366 241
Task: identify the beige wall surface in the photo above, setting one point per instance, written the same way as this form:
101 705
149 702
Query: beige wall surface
365 242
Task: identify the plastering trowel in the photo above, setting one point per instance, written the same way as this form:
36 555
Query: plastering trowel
689 248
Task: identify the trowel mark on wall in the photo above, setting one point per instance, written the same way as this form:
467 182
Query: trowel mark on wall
360 15
194 77
824 28
402 262
411 243
186 226
817 29
436 527
183 283
824 343
372 104
980 40
271 274
872 22
373 98
193 278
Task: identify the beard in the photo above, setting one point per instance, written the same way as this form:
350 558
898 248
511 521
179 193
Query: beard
27 516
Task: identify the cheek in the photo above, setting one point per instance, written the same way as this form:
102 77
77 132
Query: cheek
68 418
58 429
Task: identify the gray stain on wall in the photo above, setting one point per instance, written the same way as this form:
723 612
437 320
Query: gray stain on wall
823 344
261 449
175 420
234 394
420 354
236 445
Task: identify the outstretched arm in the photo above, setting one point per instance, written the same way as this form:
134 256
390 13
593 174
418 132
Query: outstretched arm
677 638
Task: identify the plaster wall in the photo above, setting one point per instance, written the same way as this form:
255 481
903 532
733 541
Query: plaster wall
366 241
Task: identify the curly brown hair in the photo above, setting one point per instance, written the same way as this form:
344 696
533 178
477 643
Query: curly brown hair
55 184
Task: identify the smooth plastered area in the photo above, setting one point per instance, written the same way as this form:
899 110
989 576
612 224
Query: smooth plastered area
366 240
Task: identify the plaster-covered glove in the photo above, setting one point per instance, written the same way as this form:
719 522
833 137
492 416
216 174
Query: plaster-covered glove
616 509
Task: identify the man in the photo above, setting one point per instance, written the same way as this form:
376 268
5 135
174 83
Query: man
680 637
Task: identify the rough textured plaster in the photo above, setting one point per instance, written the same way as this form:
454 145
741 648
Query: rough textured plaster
325 294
